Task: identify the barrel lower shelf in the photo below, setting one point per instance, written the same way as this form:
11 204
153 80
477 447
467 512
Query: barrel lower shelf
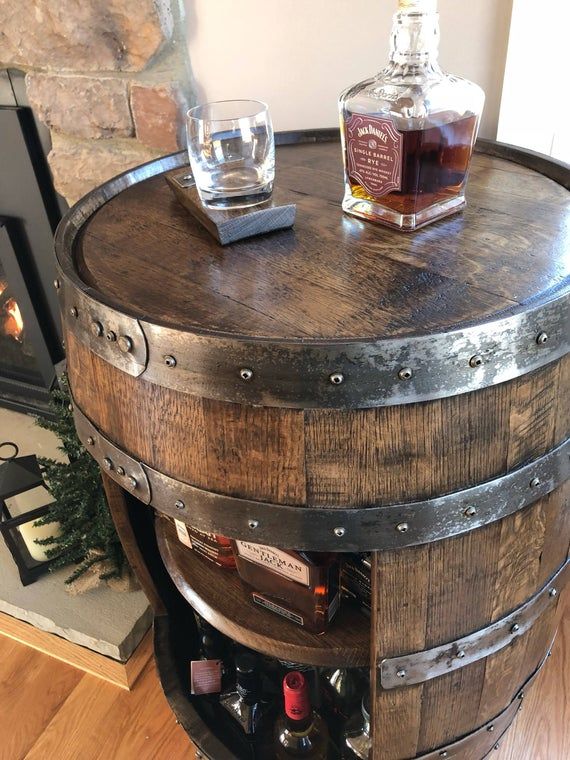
220 598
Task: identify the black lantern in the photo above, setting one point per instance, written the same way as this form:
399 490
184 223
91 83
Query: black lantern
24 498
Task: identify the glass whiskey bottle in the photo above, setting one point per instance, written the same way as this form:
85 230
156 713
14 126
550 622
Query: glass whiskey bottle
303 587
357 741
211 546
245 702
301 732
408 133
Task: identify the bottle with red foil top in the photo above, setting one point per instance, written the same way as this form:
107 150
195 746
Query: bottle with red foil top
408 133
301 732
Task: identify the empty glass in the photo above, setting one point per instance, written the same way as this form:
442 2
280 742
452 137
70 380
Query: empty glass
232 152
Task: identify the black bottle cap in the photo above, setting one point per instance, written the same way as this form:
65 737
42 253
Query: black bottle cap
247 675
208 645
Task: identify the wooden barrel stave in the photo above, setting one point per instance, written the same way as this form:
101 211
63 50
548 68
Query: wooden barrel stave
342 458
316 458
496 568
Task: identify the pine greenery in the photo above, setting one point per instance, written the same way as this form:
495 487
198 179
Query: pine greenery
88 535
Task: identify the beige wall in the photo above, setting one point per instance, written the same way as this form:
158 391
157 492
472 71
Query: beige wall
534 39
299 54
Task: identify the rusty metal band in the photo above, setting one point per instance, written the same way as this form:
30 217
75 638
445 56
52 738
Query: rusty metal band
329 528
310 373
420 667
485 739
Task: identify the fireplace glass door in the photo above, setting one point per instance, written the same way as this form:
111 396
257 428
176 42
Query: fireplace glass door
17 356
27 369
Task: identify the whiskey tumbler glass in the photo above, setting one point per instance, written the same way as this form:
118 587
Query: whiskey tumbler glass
232 152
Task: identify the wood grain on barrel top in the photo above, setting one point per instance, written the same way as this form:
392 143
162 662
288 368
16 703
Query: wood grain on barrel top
332 276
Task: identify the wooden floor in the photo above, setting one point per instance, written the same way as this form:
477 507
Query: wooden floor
51 711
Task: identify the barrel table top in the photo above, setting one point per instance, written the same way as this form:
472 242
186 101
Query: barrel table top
332 276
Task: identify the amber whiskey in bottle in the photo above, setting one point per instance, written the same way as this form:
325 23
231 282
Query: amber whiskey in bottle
211 546
302 587
300 732
408 133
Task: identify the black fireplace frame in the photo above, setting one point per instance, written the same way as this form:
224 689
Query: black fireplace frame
16 393
30 210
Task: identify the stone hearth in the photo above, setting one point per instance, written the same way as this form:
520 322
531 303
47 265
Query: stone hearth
110 78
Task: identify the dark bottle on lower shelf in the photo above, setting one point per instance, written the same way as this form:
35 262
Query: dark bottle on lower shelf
215 646
300 731
245 703
211 546
357 743
342 691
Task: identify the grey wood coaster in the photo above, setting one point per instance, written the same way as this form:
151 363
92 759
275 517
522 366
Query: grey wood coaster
229 225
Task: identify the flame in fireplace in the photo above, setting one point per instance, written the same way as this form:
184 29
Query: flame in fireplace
3 286
13 324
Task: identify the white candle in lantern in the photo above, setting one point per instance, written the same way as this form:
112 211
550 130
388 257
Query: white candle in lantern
30 533
24 502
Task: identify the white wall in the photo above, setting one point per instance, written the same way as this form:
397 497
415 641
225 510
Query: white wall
298 55
535 110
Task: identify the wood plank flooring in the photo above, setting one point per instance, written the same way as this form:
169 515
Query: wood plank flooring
51 711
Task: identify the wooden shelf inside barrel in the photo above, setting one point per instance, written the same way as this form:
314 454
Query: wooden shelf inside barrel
219 596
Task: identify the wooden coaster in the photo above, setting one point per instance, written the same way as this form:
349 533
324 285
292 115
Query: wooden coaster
229 225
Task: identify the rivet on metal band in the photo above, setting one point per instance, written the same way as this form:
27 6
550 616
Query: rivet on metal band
119 466
113 336
433 663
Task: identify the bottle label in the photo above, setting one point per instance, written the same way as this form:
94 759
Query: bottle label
205 676
374 154
273 559
283 611
182 532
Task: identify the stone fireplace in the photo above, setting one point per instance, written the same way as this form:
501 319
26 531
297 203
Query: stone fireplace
110 78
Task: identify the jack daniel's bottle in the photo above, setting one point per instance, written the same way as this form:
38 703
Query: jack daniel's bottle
300 586
408 133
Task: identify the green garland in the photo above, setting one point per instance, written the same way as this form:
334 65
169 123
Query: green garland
88 535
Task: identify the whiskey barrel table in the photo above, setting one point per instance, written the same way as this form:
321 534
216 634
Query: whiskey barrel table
340 387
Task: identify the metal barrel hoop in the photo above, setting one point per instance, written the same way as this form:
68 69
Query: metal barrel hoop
370 528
